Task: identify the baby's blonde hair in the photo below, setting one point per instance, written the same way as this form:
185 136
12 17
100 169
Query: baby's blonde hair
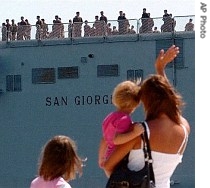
126 95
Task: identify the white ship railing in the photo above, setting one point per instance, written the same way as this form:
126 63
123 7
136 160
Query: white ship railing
97 29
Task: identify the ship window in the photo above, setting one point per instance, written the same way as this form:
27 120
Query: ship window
135 74
179 59
165 44
13 83
43 75
68 72
17 82
107 70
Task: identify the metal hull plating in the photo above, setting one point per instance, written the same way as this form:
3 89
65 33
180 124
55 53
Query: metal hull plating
35 107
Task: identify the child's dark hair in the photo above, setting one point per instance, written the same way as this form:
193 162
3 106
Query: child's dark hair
59 159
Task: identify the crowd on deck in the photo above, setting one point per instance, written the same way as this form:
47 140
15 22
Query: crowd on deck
100 27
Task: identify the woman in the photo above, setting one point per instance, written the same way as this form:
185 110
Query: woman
168 130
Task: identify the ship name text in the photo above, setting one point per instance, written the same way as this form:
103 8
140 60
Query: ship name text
78 100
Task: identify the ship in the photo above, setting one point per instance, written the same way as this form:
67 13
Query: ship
63 86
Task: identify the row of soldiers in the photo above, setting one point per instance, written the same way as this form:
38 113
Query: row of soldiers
101 27
20 31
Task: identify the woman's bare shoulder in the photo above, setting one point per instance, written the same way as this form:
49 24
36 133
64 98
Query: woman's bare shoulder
186 124
165 135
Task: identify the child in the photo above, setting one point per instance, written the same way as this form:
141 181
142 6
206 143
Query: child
59 164
118 127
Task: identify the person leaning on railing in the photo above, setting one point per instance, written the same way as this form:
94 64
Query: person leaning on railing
189 26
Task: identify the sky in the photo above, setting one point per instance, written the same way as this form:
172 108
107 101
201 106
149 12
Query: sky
66 9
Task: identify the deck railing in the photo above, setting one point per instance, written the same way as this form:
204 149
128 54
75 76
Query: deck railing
97 29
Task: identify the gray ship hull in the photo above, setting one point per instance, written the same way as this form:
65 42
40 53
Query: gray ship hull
64 87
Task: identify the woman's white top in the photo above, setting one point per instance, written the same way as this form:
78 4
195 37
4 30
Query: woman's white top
163 164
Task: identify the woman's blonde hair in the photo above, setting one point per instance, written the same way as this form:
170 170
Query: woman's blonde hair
125 95
59 159
159 96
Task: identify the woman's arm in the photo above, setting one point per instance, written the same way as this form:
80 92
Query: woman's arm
119 153
164 58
